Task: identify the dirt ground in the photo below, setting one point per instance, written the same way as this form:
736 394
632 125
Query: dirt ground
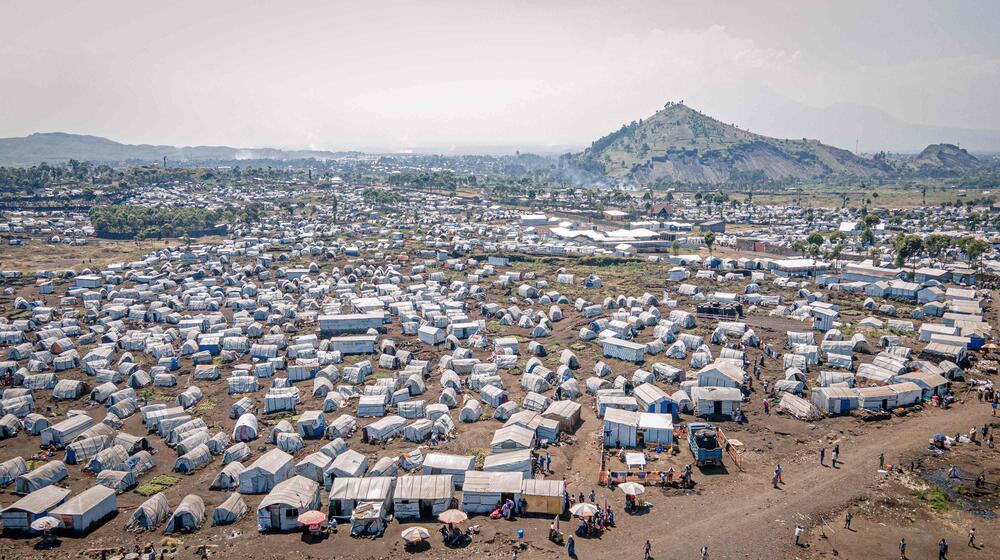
37 254
734 511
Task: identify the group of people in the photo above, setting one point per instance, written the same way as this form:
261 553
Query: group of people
544 462
595 525
508 508
451 535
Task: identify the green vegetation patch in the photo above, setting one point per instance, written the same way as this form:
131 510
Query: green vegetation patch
935 498
158 484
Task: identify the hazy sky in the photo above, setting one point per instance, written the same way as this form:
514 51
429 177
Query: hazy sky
439 74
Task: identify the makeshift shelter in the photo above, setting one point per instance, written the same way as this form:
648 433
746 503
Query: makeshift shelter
149 514
188 516
266 472
350 463
230 511
18 517
87 510
347 493
278 511
11 469
544 497
45 475
423 496
482 491
520 461
246 428
715 401
228 478
193 460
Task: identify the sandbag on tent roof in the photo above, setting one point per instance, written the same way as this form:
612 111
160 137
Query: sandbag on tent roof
229 511
149 514
188 516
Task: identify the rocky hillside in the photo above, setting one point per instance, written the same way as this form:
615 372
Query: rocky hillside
680 144
944 157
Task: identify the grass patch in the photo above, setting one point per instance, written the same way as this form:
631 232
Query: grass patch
158 484
578 346
935 498
206 405
152 395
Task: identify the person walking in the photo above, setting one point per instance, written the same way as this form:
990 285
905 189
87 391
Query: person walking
798 535
822 455
836 455
881 461
704 553
571 547
972 537
777 473
902 549
646 550
593 497
548 462
942 549
847 521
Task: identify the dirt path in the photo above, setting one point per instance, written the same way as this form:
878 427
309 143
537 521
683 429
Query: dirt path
748 518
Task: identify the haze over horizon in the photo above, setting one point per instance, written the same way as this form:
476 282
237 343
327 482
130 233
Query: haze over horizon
393 75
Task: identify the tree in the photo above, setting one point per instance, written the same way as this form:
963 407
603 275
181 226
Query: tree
935 244
333 207
923 194
906 247
815 238
974 249
675 247
868 236
710 241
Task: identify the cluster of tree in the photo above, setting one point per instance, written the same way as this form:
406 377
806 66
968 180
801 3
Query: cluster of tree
142 222
440 180
908 246
381 197
14 179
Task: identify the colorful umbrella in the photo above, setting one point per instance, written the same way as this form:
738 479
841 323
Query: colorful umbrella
415 534
583 510
46 523
632 488
452 516
312 517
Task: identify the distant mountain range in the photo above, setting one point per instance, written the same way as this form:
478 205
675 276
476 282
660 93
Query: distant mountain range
60 146
680 144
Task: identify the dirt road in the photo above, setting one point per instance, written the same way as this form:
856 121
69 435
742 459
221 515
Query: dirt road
747 518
